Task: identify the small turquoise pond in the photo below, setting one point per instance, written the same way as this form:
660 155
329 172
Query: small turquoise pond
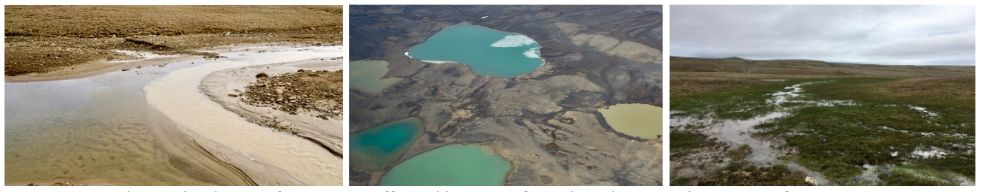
486 51
374 148
451 165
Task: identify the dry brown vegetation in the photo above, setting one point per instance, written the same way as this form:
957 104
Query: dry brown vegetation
44 38
932 87
691 83
125 21
691 76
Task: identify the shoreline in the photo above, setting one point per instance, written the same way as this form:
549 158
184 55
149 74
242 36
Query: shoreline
219 84
259 154
103 66
94 68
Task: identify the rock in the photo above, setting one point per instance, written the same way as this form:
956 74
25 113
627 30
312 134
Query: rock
810 180
232 95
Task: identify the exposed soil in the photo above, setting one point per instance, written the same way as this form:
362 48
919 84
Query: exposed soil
318 91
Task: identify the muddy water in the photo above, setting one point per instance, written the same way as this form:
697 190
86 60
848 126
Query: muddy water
367 76
95 130
639 120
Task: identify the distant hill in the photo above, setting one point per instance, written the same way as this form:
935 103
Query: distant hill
810 67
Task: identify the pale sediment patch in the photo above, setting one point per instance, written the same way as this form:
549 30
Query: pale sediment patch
263 156
368 76
630 50
140 55
219 85
540 96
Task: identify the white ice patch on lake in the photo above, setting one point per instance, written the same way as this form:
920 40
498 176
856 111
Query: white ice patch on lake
532 53
514 41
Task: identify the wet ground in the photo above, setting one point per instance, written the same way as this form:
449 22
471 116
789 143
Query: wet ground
770 124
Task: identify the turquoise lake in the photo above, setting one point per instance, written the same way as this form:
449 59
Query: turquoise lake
374 148
488 52
451 165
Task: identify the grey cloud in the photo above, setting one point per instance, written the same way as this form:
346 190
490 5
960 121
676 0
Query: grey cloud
913 35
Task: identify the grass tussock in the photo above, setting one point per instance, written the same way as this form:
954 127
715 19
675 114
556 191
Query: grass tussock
880 129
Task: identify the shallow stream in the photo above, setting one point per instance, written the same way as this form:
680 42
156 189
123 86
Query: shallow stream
96 130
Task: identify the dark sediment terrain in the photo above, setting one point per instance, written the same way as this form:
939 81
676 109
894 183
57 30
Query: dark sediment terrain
544 122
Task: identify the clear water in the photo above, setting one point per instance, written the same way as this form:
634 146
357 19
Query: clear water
486 51
366 76
89 130
639 120
375 148
451 165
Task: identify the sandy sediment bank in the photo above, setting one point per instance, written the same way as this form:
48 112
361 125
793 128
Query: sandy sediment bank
326 132
218 143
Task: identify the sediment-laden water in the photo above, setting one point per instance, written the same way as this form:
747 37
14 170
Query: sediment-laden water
639 120
367 76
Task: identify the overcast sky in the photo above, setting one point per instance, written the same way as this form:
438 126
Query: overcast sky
900 35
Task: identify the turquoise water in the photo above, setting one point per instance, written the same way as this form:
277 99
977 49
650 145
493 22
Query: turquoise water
486 51
366 76
451 165
374 148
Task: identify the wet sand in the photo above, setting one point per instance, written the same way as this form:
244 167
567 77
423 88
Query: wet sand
245 151
327 132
